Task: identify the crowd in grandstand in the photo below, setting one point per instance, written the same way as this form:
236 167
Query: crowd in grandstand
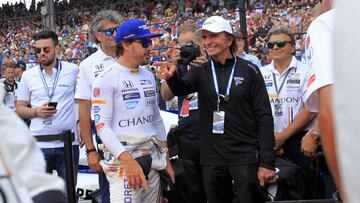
18 24
117 39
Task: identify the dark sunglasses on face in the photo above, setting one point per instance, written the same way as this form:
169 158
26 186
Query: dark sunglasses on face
279 43
109 32
44 49
144 42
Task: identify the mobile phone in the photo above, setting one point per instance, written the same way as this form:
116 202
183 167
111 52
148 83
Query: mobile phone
53 104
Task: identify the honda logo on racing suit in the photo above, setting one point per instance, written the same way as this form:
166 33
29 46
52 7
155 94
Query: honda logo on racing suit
128 83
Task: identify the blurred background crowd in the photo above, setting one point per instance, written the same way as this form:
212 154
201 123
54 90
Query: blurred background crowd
18 24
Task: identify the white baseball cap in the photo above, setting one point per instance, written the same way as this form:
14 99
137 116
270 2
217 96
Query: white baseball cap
216 24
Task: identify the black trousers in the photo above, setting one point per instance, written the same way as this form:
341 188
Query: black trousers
220 189
54 196
319 183
188 185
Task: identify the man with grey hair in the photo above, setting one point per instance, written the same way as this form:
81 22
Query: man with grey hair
236 128
102 30
286 84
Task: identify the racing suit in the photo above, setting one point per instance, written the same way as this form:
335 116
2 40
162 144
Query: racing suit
127 118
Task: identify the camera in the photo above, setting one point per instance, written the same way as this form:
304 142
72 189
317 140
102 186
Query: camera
188 53
153 68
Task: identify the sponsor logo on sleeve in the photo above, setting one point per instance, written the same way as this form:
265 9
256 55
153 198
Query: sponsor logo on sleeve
311 80
100 127
98 101
96 109
130 96
131 105
96 118
96 92
149 93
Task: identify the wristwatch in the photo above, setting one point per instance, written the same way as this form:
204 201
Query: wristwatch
315 136
88 151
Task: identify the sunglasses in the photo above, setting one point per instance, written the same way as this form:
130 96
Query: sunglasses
279 43
46 50
144 42
109 32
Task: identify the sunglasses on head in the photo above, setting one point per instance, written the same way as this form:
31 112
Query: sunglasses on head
44 49
109 32
279 43
144 42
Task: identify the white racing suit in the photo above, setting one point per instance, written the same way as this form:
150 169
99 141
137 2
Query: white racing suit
115 173
127 118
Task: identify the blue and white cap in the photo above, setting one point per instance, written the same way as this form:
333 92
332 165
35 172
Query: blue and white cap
133 29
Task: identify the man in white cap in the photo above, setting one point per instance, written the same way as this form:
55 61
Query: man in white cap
236 130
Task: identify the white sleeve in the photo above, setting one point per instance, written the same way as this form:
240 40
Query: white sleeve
320 64
23 93
103 97
83 86
158 121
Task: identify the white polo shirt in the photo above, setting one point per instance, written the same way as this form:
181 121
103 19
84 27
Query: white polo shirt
23 160
32 89
318 57
285 91
91 67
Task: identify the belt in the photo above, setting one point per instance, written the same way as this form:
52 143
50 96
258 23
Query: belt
54 137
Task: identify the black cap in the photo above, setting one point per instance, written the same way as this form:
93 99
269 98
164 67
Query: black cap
21 64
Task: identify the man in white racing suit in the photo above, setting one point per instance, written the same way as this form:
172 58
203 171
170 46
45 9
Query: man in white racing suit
128 120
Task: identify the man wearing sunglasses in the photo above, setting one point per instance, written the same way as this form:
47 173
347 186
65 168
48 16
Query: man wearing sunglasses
102 30
286 84
51 82
128 120
236 128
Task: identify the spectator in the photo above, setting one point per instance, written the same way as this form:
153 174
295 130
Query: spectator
24 164
224 154
36 91
188 185
19 70
240 50
285 80
10 86
103 30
